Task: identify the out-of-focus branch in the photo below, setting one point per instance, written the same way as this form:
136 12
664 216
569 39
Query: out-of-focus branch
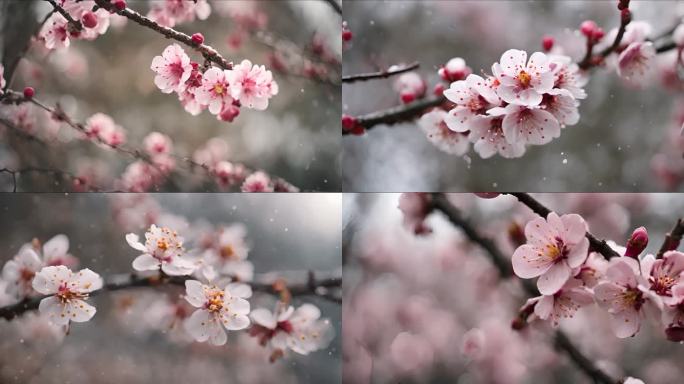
381 74
309 284
335 5
672 239
208 52
56 172
399 114
441 203
600 246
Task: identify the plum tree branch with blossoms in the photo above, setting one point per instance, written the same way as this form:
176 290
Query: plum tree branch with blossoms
308 283
523 102
440 203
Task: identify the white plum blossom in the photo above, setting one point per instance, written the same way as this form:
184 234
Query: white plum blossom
523 82
488 135
163 249
252 85
528 125
171 12
434 125
473 97
18 273
230 253
215 90
173 69
625 295
563 106
555 246
664 274
218 309
300 330
564 303
55 32
68 291
568 76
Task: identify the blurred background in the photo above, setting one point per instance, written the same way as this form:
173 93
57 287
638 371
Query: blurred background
296 138
122 344
433 309
623 139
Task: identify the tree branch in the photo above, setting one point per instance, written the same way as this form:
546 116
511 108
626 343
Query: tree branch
398 114
672 239
335 5
208 52
57 172
563 343
75 24
306 285
381 74
600 246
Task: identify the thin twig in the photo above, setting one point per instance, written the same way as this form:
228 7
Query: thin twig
600 246
56 172
266 284
441 203
392 71
208 52
74 23
672 239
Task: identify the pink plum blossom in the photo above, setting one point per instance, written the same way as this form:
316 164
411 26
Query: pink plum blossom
68 292
163 249
257 182
473 97
433 124
636 62
252 85
625 296
218 309
564 303
523 82
173 69
300 330
171 12
562 105
554 247
157 144
415 207
55 32
102 128
215 90
568 76
664 274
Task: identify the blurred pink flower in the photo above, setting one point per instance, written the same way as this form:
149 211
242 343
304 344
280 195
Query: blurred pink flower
252 85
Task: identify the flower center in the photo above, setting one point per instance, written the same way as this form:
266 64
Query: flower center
524 78
215 301
162 244
662 284
556 252
65 295
633 298
227 252
285 326
219 89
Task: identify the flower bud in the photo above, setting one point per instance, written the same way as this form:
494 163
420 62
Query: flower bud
675 333
637 242
587 28
197 38
29 92
119 4
626 16
547 43
89 20
348 122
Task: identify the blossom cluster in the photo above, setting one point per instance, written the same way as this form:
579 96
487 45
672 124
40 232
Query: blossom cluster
216 276
221 91
57 32
630 288
523 102
171 12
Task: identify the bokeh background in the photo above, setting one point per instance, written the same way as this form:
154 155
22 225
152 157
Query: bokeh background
296 138
112 348
411 302
611 149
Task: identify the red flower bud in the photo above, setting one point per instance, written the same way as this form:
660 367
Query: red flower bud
439 89
29 92
348 122
119 4
407 97
588 27
626 16
346 35
637 242
89 20
197 38
547 43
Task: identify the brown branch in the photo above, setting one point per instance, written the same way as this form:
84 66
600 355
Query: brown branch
208 52
75 24
337 7
595 244
57 172
672 239
399 114
381 74
562 341
308 285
